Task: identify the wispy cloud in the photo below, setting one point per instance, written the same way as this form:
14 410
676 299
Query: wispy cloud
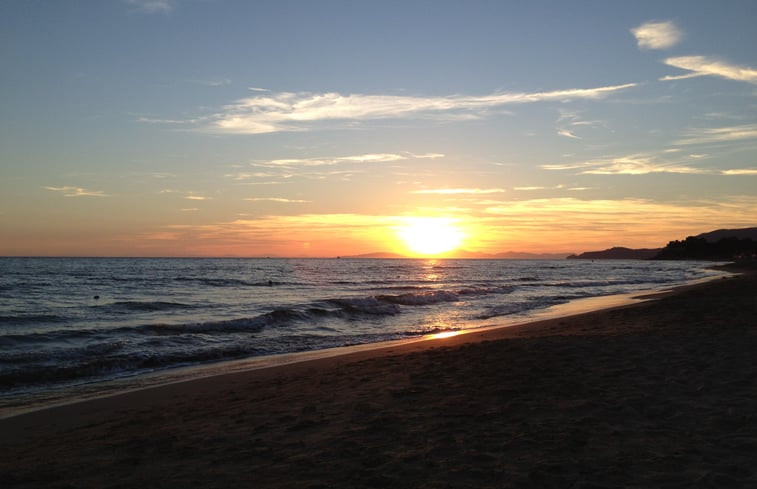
152 6
608 220
567 134
682 77
277 199
290 166
710 66
537 224
718 134
213 82
197 197
635 164
77 192
555 187
459 191
286 111
657 35
573 119
528 189
364 158
740 171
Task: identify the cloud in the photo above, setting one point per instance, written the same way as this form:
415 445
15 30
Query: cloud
657 35
458 191
197 197
742 171
214 83
554 187
366 158
152 6
77 192
354 159
286 111
681 77
719 134
542 224
636 164
277 199
710 66
567 134
606 220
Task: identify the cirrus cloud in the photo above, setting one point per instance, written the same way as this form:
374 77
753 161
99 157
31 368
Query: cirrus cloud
725 134
459 191
710 66
635 164
287 111
69 191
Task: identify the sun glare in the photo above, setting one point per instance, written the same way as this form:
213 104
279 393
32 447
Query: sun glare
430 235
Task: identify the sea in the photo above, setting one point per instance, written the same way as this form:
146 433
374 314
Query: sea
68 322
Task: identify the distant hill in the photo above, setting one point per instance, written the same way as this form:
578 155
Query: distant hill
378 254
618 253
507 255
715 236
723 244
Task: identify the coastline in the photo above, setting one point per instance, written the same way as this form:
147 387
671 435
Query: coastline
656 393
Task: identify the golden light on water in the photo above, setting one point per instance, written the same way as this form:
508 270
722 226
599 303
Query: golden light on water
430 236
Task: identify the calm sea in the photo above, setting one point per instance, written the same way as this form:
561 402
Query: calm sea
71 321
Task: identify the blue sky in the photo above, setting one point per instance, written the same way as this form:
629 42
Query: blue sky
314 128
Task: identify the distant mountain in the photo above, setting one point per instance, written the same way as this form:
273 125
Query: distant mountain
618 253
477 255
715 236
471 254
378 254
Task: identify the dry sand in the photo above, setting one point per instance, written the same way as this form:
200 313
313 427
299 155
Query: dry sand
660 394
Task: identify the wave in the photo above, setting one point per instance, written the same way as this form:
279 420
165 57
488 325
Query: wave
421 298
23 319
245 325
59 354
515 308
143 306
90 365
366 305
231 282
344 308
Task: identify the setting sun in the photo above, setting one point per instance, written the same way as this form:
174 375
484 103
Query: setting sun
430 235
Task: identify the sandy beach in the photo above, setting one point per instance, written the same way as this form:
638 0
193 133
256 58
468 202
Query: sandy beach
657 394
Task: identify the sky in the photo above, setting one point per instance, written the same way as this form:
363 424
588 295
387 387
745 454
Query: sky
323 128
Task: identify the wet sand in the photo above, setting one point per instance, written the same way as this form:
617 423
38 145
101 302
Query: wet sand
657 394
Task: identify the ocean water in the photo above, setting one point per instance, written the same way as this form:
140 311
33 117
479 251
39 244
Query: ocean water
73 321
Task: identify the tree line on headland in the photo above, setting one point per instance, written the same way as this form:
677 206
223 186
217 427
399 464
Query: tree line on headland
693 248
723 244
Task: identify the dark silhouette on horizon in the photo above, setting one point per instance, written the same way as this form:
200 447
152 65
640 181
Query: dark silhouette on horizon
694 248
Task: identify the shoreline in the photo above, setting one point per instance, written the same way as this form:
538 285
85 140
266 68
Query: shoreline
90 391
655 394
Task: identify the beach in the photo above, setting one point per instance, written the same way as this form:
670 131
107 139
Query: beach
656 394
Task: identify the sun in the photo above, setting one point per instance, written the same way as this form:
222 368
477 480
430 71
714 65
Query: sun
430 235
